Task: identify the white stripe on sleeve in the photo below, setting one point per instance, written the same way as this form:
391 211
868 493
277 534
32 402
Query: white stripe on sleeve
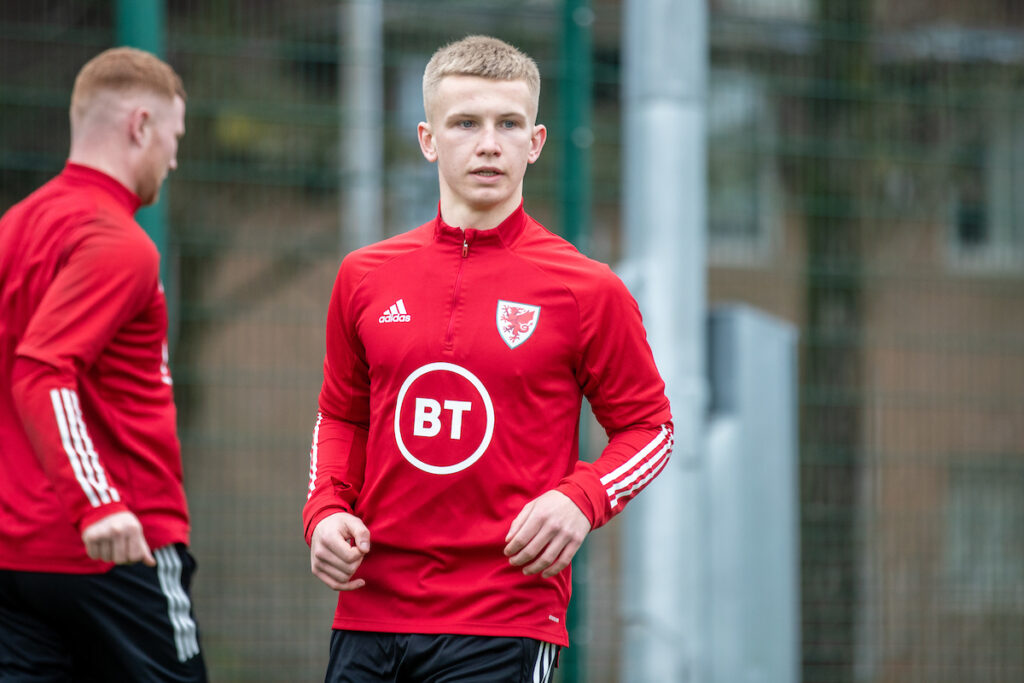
65 437
640 455
641 471
630 477
93 466
638 486
313 453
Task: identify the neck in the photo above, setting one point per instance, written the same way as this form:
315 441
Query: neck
464 216
104 156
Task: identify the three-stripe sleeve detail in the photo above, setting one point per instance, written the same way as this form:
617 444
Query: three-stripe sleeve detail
544 665
633 475
81 452
313 453
179 608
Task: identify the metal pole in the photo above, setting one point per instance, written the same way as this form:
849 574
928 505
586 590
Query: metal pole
574 103
361 70
665 534
140 23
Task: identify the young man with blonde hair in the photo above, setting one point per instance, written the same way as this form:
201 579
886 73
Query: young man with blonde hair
94 567
446 495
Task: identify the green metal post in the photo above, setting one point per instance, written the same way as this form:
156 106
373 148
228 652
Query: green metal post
140 23
577 137
575 104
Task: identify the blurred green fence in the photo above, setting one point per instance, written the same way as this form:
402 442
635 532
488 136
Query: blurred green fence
863 167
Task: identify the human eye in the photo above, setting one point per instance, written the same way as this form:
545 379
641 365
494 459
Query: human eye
509 123
464 123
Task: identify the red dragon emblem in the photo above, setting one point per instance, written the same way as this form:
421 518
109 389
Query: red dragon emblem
516 322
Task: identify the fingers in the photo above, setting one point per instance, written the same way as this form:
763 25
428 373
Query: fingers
561 562
334 570
336 565
131 548
549 551
143 554
99 549
361 538
525 543
337 547
546 534
118 538
517 525
337 576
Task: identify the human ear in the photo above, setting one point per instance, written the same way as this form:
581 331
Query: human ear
138 124
537 139
426 137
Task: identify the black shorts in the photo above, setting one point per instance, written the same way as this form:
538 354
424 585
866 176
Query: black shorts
133 623
371 657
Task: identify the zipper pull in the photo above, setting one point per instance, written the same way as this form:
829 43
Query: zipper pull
465 247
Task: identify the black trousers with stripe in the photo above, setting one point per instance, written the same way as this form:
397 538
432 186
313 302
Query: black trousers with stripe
371 657
133 623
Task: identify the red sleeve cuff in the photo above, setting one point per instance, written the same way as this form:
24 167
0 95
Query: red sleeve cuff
578 495
312 520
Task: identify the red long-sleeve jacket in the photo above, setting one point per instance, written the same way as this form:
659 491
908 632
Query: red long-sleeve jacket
87 417
455 367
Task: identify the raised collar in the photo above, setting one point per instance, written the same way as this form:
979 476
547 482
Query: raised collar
506 232
91 176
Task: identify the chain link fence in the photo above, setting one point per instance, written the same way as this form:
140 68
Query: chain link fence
863 163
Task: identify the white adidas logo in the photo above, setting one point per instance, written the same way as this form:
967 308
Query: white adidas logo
395 314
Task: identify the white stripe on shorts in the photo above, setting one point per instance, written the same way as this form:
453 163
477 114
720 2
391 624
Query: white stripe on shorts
168 568
545 659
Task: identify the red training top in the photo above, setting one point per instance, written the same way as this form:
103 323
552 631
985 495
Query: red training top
456 362
87 418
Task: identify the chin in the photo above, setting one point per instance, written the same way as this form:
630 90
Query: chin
149 194
488 198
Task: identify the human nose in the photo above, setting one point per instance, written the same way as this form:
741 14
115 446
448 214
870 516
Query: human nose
488 142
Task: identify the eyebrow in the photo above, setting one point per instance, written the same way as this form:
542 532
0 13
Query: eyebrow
466 115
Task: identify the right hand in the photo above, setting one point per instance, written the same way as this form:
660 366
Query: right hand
336 549
118 538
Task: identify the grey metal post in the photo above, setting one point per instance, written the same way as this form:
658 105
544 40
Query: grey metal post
361 70
665 578
754 551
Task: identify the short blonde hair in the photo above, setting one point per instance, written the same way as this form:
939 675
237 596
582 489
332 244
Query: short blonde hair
123 70
481 56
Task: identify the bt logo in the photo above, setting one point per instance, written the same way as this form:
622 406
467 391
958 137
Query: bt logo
444 418
428 422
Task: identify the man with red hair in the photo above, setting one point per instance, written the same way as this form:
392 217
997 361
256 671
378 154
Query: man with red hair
94 567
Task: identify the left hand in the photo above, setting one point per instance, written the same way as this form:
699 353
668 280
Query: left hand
546 534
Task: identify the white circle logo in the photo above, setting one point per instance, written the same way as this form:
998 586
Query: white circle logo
443 399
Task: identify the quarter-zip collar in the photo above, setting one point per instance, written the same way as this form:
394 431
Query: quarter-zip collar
505 233
91 176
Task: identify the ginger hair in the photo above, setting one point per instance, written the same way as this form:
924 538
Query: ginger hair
123 70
